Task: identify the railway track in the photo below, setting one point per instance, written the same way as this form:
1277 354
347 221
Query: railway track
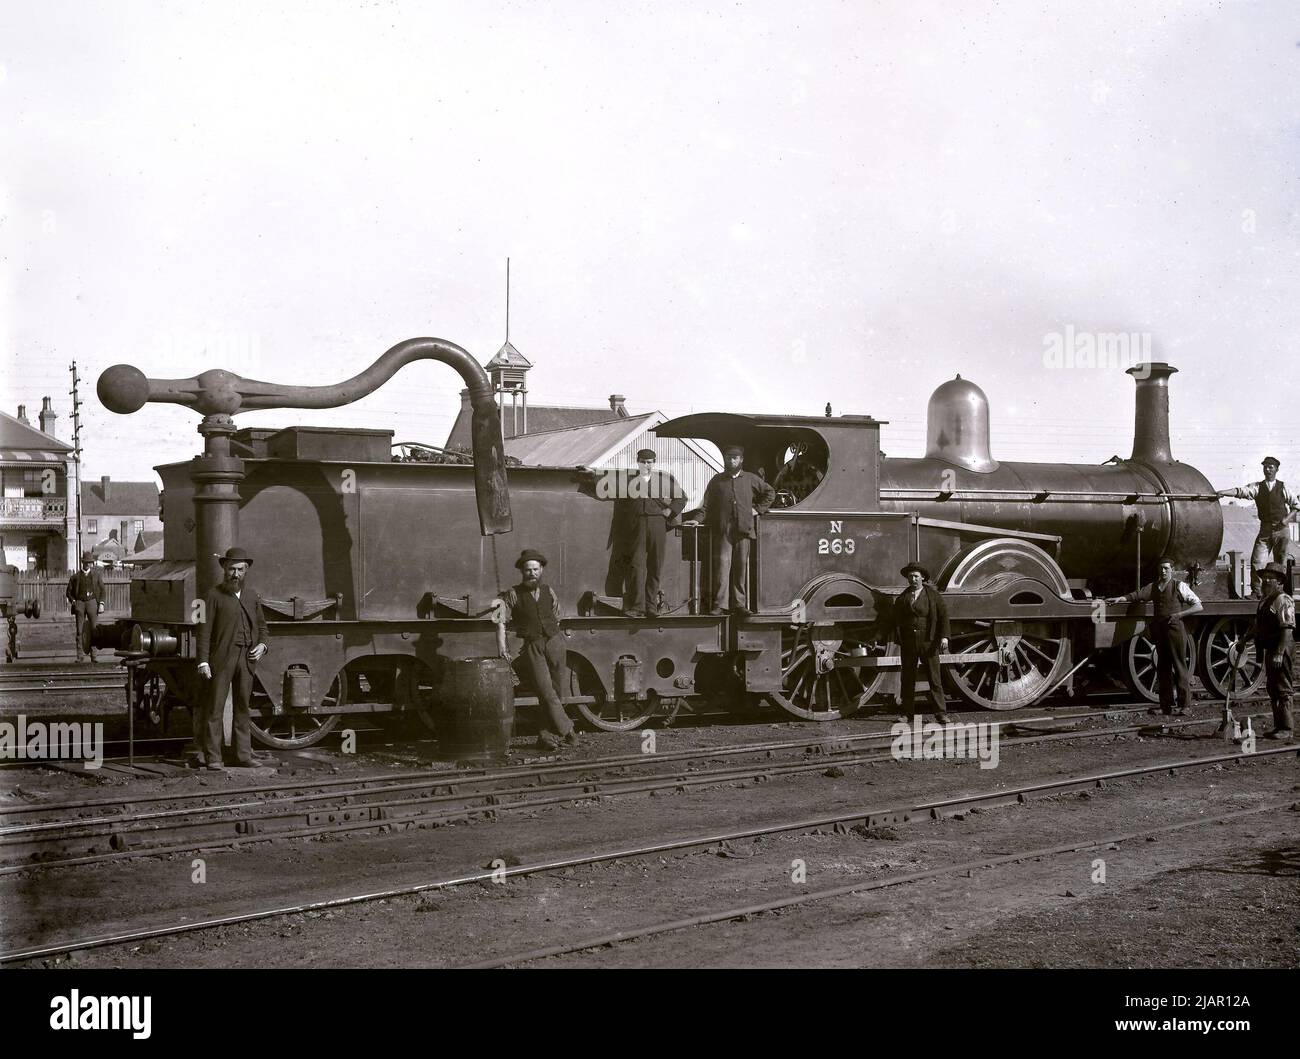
840 821
423 799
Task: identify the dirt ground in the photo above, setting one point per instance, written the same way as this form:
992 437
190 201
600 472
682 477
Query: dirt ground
1219 895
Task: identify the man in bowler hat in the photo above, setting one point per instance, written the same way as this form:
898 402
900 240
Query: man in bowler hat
534 615
1274 644
1273 503
919 619
232 637
731 501
86 599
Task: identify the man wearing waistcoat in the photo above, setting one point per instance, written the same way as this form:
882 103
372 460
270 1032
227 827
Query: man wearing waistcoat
1173 601
86 599
731 501
534 615
920 622
1273 503
1274 644
232 637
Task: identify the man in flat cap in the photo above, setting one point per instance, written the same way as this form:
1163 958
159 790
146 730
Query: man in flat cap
1274 644
232 637
920 622
646 502
1273 503
731 501
534 615
86 600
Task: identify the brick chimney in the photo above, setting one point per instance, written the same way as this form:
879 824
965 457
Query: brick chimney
22 415
464 401
103 486
617 406
48 416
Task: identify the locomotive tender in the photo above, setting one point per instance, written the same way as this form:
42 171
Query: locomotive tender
371 572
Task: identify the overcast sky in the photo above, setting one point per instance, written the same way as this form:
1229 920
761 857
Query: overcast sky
742 206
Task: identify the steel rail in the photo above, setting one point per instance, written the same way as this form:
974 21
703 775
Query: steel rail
13 834
589 788
841 818
465 775
863 887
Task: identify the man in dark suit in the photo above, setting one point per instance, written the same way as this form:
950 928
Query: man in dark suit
86 600
646 503
920 622
232 637
731 501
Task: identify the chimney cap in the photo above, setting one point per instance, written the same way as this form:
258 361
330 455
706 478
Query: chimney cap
45 405
1151 369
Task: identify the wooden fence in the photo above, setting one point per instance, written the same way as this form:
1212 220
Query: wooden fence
51 590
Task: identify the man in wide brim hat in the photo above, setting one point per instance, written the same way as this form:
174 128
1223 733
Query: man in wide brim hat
529 555
232 637
920 621
85 595
1274 643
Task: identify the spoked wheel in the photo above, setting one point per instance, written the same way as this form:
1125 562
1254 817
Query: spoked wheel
1227 658
293 730
812 687
606 714
1139 668
1033 656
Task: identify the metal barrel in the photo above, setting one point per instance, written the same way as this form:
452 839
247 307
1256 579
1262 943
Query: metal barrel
476 709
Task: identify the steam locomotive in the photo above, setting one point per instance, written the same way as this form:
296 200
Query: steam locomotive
374 572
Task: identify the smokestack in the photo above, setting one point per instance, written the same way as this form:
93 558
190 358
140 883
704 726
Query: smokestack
617 406
22 415
103 486
48 416
1151 419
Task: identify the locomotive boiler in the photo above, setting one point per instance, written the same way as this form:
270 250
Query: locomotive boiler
373 574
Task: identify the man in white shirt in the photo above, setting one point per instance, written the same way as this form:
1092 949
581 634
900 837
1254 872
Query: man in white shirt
1174 601
1273 504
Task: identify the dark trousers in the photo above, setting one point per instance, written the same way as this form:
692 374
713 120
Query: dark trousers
730 564
1171 665
1269 545
234 677
646 556
542 662
1278 679
916 657
86 612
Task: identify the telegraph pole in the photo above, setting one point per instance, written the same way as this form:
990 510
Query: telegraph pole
74 495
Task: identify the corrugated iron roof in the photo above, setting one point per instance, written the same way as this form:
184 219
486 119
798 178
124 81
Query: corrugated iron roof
17 437
572 446
541 418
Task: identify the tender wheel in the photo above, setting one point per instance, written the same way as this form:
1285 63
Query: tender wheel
1139 669
606 714
293 730
1034 656
1227 644
812 687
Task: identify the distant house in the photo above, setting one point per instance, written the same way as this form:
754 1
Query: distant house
570 435
119 519
37 524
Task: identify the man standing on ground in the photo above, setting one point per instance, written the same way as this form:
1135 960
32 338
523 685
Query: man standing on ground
920 621
1274 643
534 613
86 599
1173 601
232 637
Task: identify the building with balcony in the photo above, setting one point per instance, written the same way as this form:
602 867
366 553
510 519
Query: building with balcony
37 522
